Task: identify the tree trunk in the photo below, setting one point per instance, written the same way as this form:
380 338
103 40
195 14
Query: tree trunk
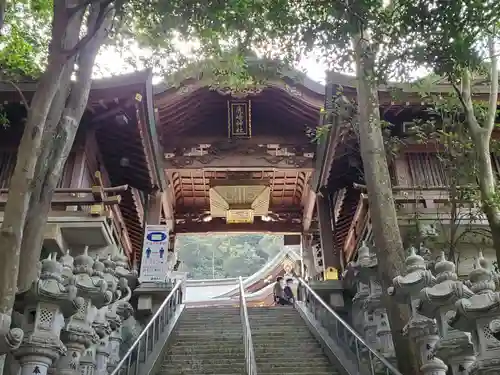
487 186
57 148
36 219
3 6
388 243
20 187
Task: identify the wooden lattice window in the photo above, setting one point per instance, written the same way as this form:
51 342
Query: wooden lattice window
426 170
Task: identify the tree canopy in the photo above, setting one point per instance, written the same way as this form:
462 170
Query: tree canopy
221 256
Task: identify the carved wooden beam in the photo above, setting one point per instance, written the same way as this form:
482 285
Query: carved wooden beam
221 226
115 189
69 201
238 161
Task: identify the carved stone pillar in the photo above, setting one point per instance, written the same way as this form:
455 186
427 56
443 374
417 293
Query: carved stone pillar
420 329
477 314
47 302
437 302
120 310
358 311
88 362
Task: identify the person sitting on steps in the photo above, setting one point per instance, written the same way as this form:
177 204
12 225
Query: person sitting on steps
278 292
288 292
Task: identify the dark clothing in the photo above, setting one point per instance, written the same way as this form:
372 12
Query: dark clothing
278 290
288 294
282 301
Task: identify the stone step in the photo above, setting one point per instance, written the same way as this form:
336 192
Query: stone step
205 321
309 346
255 330
287 310
292 362
215 340
210 317
215 319
263 341
205 324
205 335
264 358
209 313
276 332
281 320
273 368
231 368
214 351
201 368
168 372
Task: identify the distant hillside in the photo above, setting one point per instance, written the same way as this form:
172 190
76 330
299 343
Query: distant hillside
220 256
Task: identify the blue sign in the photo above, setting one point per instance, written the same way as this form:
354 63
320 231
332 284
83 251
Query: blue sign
156 236
154 266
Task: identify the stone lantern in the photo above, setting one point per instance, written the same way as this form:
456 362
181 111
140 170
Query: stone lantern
123 270
420 329
438 302
120 312
45 306
476 313
375 313
79 333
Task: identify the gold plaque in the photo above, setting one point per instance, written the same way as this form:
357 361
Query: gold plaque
239 216
331 274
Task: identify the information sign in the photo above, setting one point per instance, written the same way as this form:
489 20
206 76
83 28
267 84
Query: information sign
154 265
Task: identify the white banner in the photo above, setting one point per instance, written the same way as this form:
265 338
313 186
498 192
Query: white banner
154 266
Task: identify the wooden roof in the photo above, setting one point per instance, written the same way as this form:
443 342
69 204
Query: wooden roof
120 111
196 111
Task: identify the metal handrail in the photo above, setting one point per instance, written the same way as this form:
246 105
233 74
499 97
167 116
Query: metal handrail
372 361
145 343
251 365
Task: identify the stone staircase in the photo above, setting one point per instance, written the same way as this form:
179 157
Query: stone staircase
206 341
210 341
284 345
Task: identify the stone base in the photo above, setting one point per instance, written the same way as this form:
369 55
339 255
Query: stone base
150 296
332 292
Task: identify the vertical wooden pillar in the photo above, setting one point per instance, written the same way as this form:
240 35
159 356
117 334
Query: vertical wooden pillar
153 215
307 255
330 257
168 209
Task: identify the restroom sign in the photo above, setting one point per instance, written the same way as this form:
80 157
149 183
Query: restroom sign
154 265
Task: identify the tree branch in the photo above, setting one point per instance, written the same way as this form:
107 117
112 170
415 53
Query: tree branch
492 108
3 6
104 11
23 98
73 10
472 123
459 93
